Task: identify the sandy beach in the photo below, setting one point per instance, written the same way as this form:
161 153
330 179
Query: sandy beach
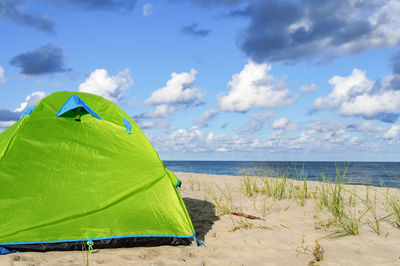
298 226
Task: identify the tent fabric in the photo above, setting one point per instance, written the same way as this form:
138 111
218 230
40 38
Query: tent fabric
86 180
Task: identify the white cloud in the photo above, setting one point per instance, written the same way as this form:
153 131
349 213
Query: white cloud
360 126
177 90
31 100
147 10
383 29
393 132
161 111
356 95
283 124
195 139
354 140
8 117
386 28
280 123
113 88
155 118
2 75
318 137
255 87
202 121
256 123
5 124
151 124
310 88
304 23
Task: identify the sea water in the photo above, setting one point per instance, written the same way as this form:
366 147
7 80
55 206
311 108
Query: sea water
368 173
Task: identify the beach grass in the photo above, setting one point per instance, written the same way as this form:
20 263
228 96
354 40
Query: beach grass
222 198
344 208
348 209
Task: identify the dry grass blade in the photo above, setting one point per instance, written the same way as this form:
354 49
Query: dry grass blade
247 216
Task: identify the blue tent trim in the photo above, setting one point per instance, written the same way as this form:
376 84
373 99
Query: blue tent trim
74 102
98 238
128 126
4 251
27 112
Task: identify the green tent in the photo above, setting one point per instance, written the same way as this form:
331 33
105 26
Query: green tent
77 168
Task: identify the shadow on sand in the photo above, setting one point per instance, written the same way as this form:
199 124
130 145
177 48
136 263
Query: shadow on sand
202 214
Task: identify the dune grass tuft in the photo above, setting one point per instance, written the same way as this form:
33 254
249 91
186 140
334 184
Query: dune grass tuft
277 186
347 209
222 198
394 204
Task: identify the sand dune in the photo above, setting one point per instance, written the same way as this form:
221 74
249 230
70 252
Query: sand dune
286 236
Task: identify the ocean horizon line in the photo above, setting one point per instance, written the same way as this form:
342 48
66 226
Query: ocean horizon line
324 161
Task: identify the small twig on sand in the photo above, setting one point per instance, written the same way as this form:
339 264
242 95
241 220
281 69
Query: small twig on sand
247 216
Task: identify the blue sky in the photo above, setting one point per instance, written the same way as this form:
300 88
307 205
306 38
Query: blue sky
218 79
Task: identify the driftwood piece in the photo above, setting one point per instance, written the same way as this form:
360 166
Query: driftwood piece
247 216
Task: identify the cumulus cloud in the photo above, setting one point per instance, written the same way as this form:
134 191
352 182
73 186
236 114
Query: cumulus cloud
309 88
255 87
256 123
318 136
161 111
195 139
152 124
329 126
393 132
358 96
195 30
155 118
177 93
7 115
31 100
203 120
283 124
2 76
294 30
178 90
5 124
15 11
280 123
113 88
147 10
47 59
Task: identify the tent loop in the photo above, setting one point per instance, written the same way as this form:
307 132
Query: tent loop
90 246
178 183
199 243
